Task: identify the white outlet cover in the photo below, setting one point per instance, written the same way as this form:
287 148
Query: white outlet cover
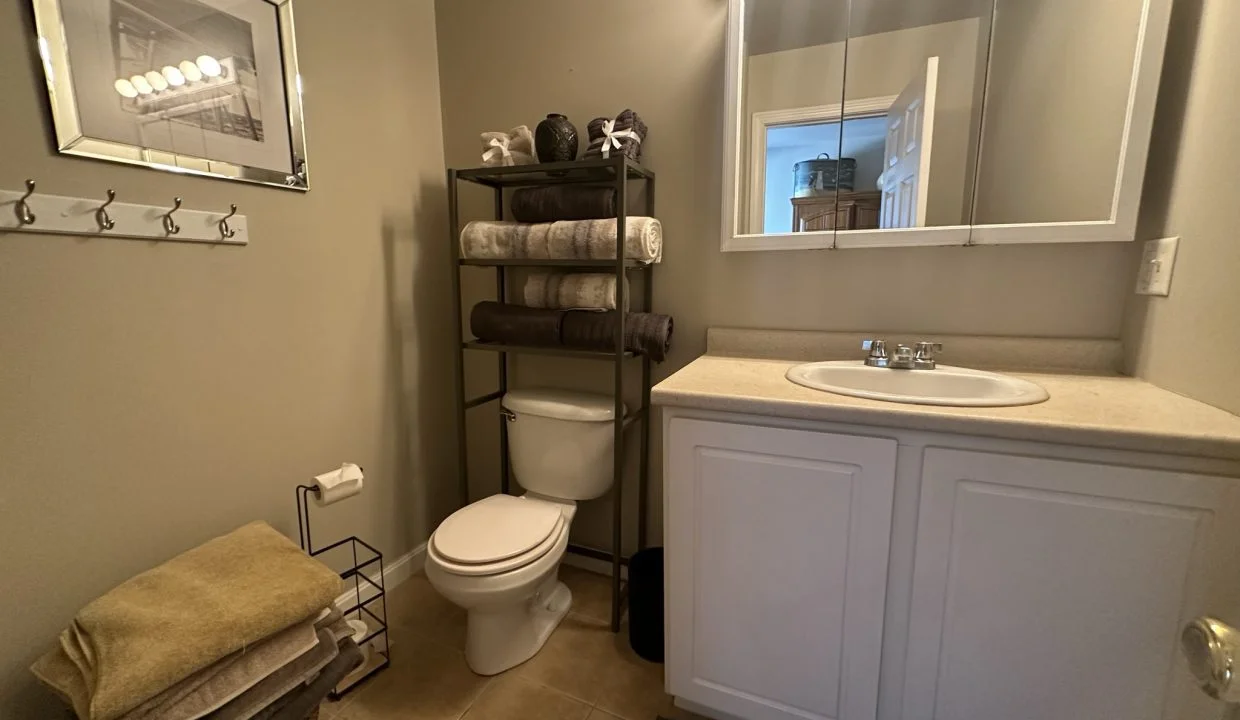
1157 264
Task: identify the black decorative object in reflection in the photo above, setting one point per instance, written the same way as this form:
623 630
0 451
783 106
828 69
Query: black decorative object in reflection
555 139
823 176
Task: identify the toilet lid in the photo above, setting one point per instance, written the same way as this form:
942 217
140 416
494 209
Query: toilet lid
495 528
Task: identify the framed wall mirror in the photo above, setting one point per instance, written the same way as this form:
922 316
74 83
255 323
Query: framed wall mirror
888 123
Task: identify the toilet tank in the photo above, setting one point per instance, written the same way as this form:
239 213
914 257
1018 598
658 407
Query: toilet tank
560 442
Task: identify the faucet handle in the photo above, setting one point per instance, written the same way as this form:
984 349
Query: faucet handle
878 352
924 355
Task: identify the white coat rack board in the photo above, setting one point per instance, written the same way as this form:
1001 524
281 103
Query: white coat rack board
28 211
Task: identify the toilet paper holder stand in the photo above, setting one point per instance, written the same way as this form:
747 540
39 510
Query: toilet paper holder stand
364 555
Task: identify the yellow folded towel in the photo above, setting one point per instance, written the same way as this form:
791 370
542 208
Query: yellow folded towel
166 624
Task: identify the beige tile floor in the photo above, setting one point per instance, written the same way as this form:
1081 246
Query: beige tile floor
584 672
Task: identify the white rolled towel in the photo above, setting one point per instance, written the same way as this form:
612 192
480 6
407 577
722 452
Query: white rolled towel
515 147
572 291
562 240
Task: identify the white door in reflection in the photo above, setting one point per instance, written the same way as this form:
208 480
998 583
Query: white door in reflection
906 158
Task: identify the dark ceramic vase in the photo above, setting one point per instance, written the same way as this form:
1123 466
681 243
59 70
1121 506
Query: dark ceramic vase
555 139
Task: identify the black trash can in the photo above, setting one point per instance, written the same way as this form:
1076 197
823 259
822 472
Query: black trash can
646 603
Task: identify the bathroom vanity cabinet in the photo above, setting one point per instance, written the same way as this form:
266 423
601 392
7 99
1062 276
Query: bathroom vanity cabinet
818 569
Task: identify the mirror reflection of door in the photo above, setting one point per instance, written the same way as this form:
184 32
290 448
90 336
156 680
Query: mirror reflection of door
928 59
909 125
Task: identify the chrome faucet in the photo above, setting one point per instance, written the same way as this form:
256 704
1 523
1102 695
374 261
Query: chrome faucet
920 357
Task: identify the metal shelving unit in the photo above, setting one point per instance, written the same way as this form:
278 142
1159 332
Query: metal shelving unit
617 172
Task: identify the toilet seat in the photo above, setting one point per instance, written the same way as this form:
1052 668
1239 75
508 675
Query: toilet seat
496 534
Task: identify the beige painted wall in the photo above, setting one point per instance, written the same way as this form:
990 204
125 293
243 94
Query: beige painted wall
153 395
1060 74
1189 342
505 63
881 65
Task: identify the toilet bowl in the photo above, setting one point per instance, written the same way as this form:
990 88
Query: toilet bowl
499 557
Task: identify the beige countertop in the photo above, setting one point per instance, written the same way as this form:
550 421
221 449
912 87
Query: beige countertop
1090 410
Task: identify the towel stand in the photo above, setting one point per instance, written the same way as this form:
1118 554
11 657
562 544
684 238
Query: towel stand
617 172
364 556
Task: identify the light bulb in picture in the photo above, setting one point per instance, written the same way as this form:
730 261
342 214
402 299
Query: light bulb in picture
190 71
209 66
142 84
125 88
157 81
175 77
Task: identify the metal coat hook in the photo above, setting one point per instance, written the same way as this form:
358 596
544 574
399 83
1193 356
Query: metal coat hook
226 231
24 216
170 226
101 215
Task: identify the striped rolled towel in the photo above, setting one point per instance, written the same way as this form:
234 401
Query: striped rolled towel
572 291
563 240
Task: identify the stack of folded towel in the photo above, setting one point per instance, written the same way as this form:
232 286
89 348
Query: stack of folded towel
241 627
573 310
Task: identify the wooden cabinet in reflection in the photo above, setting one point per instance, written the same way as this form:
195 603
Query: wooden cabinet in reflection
850 211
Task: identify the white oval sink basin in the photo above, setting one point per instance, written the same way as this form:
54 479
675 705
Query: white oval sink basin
944 385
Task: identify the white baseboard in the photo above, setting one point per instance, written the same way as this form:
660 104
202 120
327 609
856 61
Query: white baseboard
394 573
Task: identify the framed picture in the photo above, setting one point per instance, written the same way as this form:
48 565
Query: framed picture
207 87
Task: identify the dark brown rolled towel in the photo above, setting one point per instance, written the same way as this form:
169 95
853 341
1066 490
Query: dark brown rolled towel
516 324
644 333
563 202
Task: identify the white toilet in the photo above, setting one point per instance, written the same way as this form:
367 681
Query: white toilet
499 557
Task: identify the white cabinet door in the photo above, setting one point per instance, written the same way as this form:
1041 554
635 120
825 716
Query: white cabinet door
1056 590
776 569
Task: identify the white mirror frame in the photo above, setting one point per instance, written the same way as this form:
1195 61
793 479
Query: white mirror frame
1121 227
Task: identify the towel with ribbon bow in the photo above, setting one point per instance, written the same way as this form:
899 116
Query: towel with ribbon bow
611 137
515 147
625 133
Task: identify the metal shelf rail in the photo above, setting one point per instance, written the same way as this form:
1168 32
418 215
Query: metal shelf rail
616 171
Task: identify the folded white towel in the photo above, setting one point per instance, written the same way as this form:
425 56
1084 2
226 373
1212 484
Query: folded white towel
572 291
515 147
562 240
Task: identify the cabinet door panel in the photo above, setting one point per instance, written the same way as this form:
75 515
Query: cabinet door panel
1055 590
777 562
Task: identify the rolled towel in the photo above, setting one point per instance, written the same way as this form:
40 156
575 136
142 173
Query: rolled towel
515 147
644 333
563 202
572 291
515 325
564 240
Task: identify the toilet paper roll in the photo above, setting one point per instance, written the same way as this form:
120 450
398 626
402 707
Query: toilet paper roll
339 484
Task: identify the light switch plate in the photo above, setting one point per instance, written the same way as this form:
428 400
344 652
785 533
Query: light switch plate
1157 263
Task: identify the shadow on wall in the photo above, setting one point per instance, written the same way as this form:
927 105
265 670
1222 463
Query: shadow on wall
418 290
1160 177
